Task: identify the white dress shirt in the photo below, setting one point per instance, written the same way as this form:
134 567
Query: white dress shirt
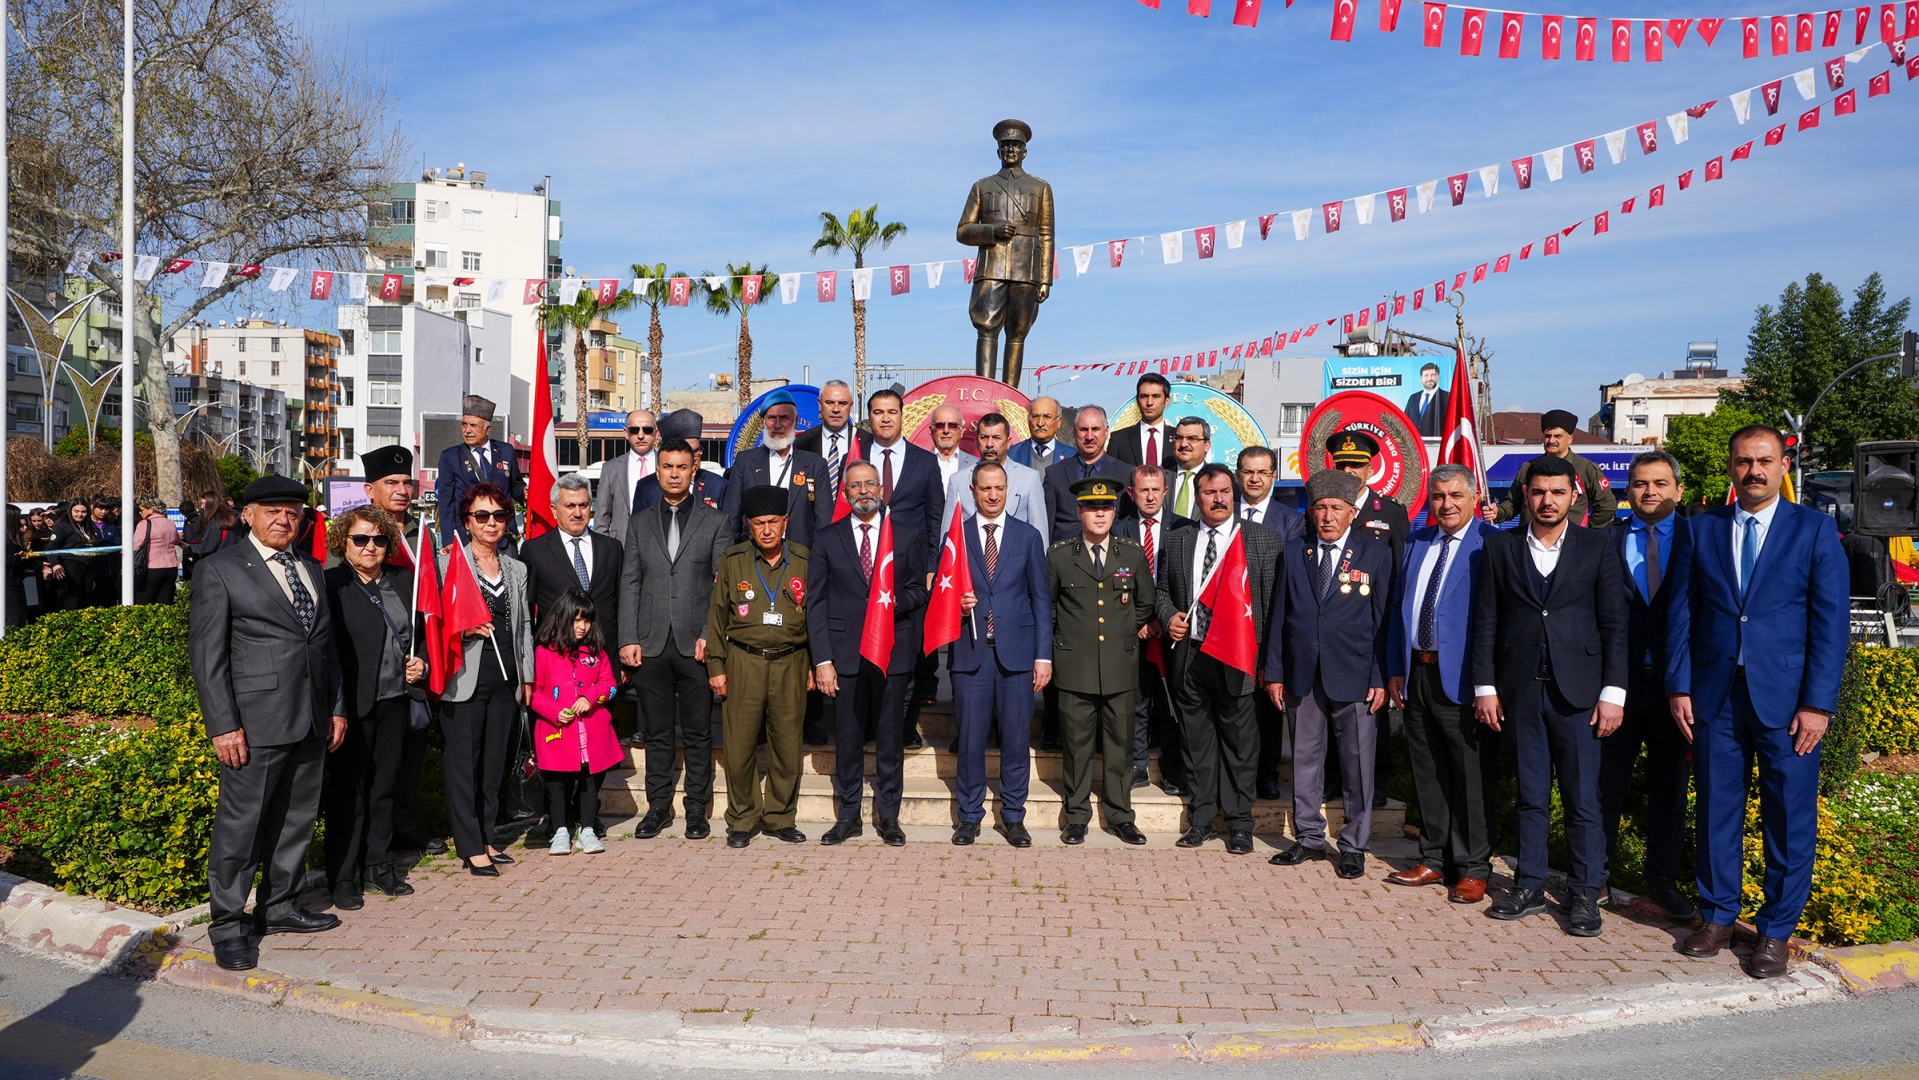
583 543
1546 559
949 464
639 466
1255 512
1339 546
834 444
895 453
1426 399
1157 532
779 466
1223 533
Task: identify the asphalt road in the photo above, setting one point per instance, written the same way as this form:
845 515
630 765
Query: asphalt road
56 1022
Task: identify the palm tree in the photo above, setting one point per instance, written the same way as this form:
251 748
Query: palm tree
653 295
731 297
861 231
579 317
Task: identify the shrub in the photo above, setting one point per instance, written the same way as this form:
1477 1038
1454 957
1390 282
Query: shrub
1880 698
101 662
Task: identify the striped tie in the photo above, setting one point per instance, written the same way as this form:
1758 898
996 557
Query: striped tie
992 568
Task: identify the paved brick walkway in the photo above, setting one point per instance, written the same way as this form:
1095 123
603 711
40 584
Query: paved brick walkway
989 940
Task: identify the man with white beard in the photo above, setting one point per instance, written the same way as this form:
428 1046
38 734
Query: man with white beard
778 463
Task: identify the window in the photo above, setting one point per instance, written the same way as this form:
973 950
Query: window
431 210
243 367
470 220
467 300
346 341
470 261
273 344
622 379
400 212
183 395
383 341
606 372
276 368
382 393
346 389
435 258
479 355
1292 419
346 441
170 347
239 343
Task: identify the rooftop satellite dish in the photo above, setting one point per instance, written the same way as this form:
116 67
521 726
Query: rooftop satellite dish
1635 377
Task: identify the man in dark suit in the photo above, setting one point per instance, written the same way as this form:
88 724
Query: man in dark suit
682 425
1755 647
1648 545
1040 450
573 556
1151 440
1154 719
1549 659
1089 432
1324 663
1213 700
479 459
1385 519
1426 407
1003 657
776 462
672 552
909 477
268 673
1428 674
832 439
839 585
1257 467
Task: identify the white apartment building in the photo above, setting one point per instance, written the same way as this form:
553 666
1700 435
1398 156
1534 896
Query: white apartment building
411 366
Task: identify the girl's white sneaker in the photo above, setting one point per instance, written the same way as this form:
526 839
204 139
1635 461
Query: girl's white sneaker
562 843
590 843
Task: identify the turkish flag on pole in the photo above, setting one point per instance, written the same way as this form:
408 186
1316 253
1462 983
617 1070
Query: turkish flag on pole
539 486
319 551
461 608
876 640
841 507
426 603
954 580
1459 439
1231 637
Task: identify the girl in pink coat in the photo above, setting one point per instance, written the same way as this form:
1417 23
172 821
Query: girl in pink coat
573 740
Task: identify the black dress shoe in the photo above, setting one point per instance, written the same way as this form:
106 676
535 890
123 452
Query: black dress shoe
1269 789
1140 779
813 736
965 833
1296 854
236 954
1352 864
1129 833
300 921
1239 842
425 845
1195 837
1017 835
890 831
1049 743
1074 834
347 897
738 839
500 858
1677 905
697 828
841 832
1770 958
1172 787
1583 918
1517 904
489 870
433 845
387 878
788 834
911 740
1379 799
651 825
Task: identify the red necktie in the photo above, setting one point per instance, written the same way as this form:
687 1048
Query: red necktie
886 476
1146 535
992 566
866 551
1152 445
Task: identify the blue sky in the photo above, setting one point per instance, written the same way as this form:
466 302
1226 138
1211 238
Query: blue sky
696 134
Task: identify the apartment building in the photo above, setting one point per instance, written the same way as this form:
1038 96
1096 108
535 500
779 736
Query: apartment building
303 366
231 417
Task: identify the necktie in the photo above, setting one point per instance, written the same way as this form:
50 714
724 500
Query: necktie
1326 551
1099 560
1653 576
886 475
672 531
1201 616
834 456
1430 604
1146 541
579 564
1748 555
992 567
1085 468
1183 503
1248 515
302 599
1152 445
866 552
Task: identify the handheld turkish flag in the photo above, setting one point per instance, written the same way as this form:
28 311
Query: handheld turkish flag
1459 440
954 580
539 488
462 608
1231 637
426 603
841 507
319 535
876 639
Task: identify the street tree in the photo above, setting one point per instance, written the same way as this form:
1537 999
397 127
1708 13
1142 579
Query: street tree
730 297
1699 445
575 320
858 234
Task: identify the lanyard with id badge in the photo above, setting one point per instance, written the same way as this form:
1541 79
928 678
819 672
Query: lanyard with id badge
771 616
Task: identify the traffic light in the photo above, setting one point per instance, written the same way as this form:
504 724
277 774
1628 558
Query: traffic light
1792 452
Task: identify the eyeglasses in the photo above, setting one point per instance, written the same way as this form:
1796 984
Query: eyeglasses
484 516
862 485
360 540
948 425
643 430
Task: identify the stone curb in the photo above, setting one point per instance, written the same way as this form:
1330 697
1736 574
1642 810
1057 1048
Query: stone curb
1873 969
76 930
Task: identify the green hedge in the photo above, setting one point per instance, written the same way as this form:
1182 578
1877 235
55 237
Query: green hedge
101 662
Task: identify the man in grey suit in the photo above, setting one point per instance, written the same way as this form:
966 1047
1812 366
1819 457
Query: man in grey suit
673 551
264 661
618 476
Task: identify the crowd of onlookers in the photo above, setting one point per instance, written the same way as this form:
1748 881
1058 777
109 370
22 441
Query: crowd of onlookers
66 556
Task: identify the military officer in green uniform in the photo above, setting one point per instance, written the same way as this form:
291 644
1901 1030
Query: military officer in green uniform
1102 599
756 658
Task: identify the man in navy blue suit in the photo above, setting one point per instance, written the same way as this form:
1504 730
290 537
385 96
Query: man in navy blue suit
838 582
1003 657
1325 662
1428 674
479 459
1652 541
1754 655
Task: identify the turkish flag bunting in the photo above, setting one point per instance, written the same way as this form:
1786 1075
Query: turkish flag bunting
1459 281
1348 327
1888 23
1523 172
900 278
1231 637
1363 314
1472 32
1656 197
1525 253
1551 31
1912 19
1379 311
882 600
1388 15
750 287
1602 222
1246 13
1845 103
1803 31
1503 263
321 289
1204 239
1583 151
1435 24
1266 347
1626 207
825 285
1419 299
1880 84
1912 68
1512 24
1586 39
1715 169
1835 73
1439 291
608 291
1655 41
1676 31
1685 180
461 608
1459 439
966 269
1709 29
390 286
1621 40
1570 229
1456 186
1776 135
1154 4
1770 91
1294 338
1552 244
953 580
1749 33
1832 29
1861 25
1743 152
1344 11
1265 226
1479 273
1396 204
1399 305
1781 35
1809 118
1330 212
1698 111
1648 136
1201 8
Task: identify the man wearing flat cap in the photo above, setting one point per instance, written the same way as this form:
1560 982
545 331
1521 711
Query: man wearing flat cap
1594 504
757 659
1009 218
778 463
683 425
478 459
268 675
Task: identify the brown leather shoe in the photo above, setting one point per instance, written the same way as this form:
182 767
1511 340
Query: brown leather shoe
1415 876
1467 890
1768 959
1706 941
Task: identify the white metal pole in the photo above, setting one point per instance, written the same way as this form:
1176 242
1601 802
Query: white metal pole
128 336
4 277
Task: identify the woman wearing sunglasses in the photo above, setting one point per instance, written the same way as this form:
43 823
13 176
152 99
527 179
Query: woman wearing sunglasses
483 698
381 675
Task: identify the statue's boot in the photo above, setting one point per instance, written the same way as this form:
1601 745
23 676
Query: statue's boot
1015 355
986 355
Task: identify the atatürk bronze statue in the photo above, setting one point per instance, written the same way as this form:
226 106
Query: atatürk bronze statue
1009 217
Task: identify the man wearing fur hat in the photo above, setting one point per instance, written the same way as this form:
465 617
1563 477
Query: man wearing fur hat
1594 504
478 459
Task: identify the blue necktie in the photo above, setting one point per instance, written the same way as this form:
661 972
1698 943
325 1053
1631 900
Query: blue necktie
1429 606
579 564
1748 555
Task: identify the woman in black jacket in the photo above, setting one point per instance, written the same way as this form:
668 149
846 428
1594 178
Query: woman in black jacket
72 575
373 629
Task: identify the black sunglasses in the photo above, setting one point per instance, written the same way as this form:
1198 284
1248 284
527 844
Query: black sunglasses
639 431
361 540
484 516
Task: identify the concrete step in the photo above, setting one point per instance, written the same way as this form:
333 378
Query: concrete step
928 762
